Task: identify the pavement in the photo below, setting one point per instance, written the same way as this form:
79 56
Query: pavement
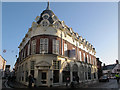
111 85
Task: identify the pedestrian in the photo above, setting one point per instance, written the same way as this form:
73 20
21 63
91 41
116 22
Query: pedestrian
73 78
34 82
117 77
30 78
67 81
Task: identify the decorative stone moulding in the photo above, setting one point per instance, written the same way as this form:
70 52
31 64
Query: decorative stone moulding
34 24
23 40
37 18
77 35
56 25
26 35
30 29
63 24
71 30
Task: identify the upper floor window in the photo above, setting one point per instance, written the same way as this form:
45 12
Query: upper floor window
44 45
55 46
24 52
84 56
65 49
90 60
87 59
28 51
80 56
33 48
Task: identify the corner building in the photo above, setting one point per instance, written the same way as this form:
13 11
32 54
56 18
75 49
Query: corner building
53 52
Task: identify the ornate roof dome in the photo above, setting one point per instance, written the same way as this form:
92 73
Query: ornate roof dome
47 14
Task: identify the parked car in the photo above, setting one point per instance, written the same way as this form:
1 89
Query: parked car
104 79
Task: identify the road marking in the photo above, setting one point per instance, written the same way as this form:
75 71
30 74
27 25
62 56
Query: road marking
6 85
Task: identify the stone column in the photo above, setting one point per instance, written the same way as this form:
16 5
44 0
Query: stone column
71 77
36 76
60 77
50 76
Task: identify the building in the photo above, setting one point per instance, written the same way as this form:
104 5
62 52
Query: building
111 69
99 67
7 71
2 66
53 52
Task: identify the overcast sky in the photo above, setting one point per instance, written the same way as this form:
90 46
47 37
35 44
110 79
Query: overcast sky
95 21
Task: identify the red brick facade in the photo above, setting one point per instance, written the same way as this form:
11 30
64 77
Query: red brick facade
50 38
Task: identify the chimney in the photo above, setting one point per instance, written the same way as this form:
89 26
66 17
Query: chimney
117 62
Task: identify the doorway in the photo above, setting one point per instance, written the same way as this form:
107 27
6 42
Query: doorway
43 77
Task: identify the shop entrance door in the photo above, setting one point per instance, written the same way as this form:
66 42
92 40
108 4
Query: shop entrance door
44 77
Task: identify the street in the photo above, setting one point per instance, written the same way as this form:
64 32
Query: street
111 85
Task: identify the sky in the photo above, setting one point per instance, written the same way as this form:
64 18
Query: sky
97 22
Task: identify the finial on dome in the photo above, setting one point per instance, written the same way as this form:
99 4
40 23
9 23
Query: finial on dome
48 7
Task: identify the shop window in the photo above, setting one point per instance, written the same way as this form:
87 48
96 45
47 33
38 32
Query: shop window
56 64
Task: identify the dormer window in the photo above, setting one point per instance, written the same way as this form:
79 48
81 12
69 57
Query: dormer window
57 25
71 30
45 16
45 23
54 18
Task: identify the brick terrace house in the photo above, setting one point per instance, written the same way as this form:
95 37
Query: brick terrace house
53 52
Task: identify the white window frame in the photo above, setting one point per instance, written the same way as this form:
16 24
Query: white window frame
33 48
65 48
24 53
28 51
90 60
44 45
84 56
87 58
55 46
80 57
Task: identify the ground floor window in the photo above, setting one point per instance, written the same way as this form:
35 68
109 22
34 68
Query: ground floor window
55 76
89 75
65 75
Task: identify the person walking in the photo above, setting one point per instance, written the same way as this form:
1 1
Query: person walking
67 81
30 78
117 77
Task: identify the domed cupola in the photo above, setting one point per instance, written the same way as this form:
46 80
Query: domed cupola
47 17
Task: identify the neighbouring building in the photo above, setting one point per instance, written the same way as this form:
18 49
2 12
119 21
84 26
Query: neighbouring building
111 69
2 66
53 52
99 67
7 71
